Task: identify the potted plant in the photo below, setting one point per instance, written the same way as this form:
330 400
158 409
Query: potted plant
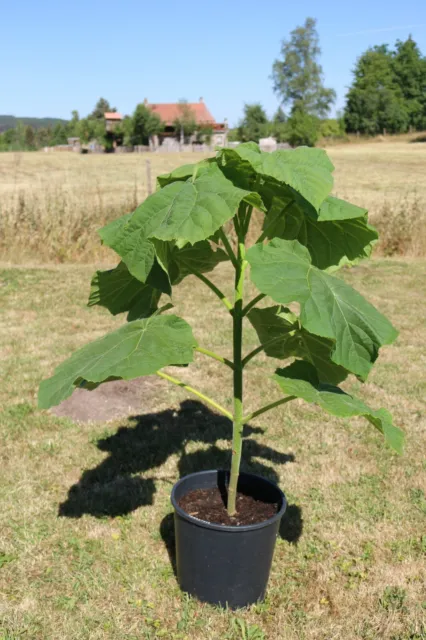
226 522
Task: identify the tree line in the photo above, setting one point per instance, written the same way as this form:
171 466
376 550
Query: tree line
131 131
387 95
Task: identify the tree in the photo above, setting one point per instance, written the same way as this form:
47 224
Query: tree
144 124
102 107
298 77
254 125
279 116
185 124
409 67
279 126
375 101
43 137
89 129
29 138
59 134
303 129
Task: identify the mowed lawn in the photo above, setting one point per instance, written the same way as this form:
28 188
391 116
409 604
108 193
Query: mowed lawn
85 526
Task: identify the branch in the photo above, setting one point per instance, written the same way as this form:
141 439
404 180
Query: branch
258 349
266 408
253 303
262 236
179 383
215 290
227 245
216 356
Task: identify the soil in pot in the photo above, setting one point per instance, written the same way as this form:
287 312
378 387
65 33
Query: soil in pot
210 505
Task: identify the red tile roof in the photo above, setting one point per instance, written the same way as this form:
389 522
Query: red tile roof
171 111
112 115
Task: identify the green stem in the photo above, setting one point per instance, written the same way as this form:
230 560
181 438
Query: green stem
253 303
215 290
228 248
216 356
266 408
247 220
258 349
262 236
165 307
238 424
179 383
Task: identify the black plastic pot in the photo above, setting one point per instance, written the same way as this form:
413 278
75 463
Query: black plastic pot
225 565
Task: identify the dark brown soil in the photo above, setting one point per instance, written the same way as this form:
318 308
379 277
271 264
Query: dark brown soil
210 505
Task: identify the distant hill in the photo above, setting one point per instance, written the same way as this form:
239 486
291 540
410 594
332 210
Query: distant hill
10 122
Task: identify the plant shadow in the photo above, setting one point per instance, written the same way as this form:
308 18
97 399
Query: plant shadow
114 488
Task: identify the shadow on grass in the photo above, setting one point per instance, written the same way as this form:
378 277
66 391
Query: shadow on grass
113 488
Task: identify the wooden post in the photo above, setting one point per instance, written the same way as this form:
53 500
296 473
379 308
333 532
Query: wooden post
148 177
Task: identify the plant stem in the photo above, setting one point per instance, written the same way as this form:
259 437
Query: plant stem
228 248
179 383
215 290
216 356
165 307
258 349
263 235
253 303
238 424
266 408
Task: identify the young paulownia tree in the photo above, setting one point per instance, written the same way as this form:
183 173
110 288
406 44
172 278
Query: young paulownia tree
180 231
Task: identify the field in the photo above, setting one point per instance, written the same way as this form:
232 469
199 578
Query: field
52 204
85 527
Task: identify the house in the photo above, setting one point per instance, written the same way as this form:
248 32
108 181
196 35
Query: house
170 112
112 119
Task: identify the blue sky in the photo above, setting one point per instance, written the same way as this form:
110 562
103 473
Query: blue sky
59 56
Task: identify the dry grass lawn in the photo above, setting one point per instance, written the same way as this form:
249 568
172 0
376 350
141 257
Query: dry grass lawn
52 204
85 519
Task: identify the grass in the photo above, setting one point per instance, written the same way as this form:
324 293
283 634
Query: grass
85 530
52 204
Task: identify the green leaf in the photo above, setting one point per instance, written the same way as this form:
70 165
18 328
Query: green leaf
279 330
200 257
336 209
300 379
139 348
302 173
185 172
118 291
183 211
136 251
180 174
330 308
331 243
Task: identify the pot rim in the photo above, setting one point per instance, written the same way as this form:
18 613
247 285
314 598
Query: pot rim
226 527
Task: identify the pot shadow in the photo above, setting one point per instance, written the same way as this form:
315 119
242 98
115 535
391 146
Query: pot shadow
113 488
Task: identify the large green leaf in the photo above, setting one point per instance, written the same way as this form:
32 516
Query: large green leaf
336 209
184 172
330 308
186 212
179 263
138 348
137 252
118 291
300 379
279 330
331 242
301 173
